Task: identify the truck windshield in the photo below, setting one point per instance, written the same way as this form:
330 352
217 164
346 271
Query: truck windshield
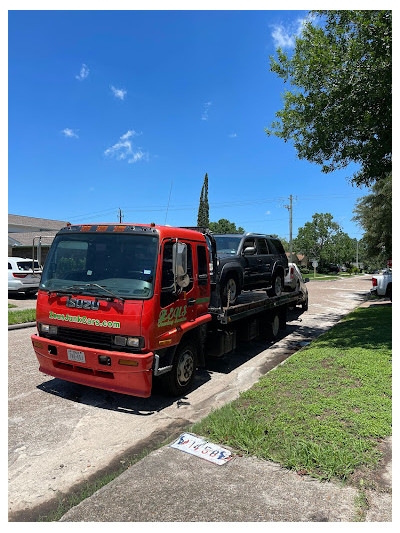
123 264
227 244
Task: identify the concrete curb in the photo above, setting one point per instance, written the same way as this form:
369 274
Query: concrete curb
23 325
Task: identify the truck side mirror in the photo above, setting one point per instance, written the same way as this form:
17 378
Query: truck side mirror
179 265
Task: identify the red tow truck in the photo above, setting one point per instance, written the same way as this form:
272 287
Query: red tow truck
119 304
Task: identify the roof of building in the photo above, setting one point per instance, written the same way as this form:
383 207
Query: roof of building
22 230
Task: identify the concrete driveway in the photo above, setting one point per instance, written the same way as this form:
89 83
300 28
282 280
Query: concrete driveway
62 434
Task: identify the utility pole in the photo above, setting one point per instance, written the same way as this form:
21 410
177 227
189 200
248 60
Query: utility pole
357 255
290 209
120 214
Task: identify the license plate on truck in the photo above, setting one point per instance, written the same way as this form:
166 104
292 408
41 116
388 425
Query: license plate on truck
77 356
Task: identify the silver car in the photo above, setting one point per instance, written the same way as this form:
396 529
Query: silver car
21 277
294 281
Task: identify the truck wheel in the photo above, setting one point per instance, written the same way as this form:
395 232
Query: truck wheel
304 305
230 286
179 380
277 284
389 291
272 329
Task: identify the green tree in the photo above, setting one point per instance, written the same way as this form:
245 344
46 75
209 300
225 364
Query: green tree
373 213
323 239
225 226
203 215
339 110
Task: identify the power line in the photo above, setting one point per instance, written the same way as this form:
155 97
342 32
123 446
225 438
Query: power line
237 203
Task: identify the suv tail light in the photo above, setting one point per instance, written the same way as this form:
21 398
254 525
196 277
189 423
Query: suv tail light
374 282
20 275
291 272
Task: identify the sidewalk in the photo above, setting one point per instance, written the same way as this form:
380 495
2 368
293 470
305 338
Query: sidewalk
171 486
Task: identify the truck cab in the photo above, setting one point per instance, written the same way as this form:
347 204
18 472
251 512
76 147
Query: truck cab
119 303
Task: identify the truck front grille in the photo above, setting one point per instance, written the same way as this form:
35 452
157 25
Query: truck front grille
90 339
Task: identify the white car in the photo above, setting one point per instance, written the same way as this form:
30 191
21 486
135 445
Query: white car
21 277
294 281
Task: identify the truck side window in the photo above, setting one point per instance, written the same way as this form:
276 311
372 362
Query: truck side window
167 274
189 267
202 265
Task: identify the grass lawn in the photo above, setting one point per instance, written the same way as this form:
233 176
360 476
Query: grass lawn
21 316
10 306
324 410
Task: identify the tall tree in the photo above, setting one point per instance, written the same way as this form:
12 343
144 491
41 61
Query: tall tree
374 214
203 215
225 226
324 240
340 108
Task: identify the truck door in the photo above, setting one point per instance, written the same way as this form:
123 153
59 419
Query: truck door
174 308
203 281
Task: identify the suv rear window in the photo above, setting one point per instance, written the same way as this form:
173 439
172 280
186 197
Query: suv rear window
26 265
276 246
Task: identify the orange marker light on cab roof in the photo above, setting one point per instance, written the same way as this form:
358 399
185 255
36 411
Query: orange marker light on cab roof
85 228
119 228
101 228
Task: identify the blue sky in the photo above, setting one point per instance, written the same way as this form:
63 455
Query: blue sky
107 108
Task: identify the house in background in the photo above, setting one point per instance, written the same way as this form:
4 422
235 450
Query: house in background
299 259
23 230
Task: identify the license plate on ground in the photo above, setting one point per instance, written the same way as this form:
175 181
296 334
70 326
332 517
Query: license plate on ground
77 356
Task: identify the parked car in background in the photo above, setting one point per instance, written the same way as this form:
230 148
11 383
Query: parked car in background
21 277
250 261
294 281
382 284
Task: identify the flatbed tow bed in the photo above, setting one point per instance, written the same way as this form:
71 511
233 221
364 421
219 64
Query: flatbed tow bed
255 314
252 303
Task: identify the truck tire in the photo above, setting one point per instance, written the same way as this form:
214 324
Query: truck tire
304 305
230 285
277 285
389 291
272 327
179 380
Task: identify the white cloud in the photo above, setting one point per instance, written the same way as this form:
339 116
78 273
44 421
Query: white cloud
69 133
83 73
118 93
232 135
124 149
206 107
267 212
285 36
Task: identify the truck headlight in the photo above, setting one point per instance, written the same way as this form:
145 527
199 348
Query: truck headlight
132 342
48 328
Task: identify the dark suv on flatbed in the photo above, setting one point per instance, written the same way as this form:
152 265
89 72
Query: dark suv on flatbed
250 261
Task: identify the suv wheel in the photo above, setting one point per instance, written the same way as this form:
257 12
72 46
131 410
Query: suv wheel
231 287
277 284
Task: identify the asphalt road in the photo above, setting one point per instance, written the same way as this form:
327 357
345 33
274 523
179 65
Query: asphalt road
61 434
